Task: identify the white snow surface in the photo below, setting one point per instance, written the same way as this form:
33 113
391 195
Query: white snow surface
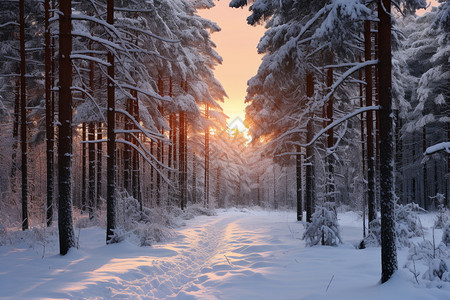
238 254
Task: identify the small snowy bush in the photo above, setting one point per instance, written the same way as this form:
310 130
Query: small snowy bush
407 225
140 224
442 217
145 226
435 261
446 235
323 228
373 238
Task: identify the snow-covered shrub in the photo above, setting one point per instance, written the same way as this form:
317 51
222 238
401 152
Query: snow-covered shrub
407 223
446 235
145 226
442 216
324 227
373 238
199 210
407 226
435 261
38 238
140 224
437 269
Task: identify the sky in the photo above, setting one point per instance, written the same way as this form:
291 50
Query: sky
236 43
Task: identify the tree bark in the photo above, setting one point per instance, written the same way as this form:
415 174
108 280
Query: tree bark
219 202
15 137
111 144
398 158
194 178
207 157
369 115
298 169
181 160
425 173
49 132
127 152
91 175
363 154
388 247
136 173
83 168
309 153
65 222
23 117
330 139
99 165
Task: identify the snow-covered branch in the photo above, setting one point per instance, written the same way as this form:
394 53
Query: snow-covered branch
147 133
332 125
147 160
90 58
444 146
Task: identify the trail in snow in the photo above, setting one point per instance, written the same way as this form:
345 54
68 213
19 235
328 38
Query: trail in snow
238 254
203 257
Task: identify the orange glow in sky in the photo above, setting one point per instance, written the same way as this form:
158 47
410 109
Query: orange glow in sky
236 43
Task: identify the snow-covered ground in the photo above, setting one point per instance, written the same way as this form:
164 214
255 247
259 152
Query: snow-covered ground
239 254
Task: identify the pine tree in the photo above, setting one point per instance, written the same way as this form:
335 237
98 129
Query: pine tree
388 247
65 222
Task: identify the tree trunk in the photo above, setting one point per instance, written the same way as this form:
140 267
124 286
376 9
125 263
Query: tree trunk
65 222
49 132
363 154
377 125
219 202
298 169
330 139
194 178
275 201
23 117
127 151
91 182
111 144
83 168
99 165
398 159
207 157
309 153
388 247
181 159
369 115
14 165
447 184
136 173
425 173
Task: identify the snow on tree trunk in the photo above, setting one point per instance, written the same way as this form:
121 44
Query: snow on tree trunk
388 247
65 222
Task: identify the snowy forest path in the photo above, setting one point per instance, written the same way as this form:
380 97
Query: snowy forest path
205 258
